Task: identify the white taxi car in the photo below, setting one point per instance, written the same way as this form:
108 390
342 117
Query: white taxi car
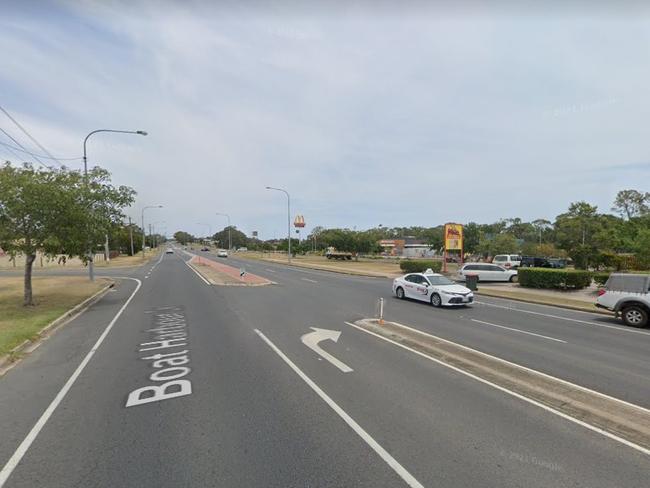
433 288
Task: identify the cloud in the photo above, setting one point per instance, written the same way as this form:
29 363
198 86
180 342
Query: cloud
400 118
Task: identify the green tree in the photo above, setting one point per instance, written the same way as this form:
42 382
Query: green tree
501 244
632 203
56 211
183 237
239 239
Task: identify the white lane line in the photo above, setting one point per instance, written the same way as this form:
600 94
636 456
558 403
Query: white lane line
307 279
196 273
368 439
505 361
512 393
622 329
270 270
27 442
519 330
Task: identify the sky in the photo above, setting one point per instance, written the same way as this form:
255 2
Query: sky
367 113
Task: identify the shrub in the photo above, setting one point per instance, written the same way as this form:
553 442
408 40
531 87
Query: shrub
601 278
554 278
418 266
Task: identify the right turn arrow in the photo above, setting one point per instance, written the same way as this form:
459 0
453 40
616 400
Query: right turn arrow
311 340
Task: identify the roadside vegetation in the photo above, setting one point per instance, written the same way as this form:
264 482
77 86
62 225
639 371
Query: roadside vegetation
56 295
57 212
591 239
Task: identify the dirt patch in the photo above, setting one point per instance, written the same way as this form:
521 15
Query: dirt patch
627 421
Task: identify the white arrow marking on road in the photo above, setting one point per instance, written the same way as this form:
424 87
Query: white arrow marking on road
311 340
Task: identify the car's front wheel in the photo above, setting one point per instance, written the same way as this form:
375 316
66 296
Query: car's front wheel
513 279
399 293
635 316
436 301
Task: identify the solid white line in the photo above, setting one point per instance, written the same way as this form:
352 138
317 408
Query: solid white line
505 361
512 393
519 330
27 442
270 270
307 279
197 274
622 329
374 445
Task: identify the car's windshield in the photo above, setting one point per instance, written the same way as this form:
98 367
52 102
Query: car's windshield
439 280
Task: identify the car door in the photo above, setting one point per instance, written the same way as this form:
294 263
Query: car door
409 285
498 273
421 291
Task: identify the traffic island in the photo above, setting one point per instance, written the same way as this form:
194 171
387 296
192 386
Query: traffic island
224 275
626 423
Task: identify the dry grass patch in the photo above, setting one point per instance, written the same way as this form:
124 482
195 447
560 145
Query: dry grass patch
53 297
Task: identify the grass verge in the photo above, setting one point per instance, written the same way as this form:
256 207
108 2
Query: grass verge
53 296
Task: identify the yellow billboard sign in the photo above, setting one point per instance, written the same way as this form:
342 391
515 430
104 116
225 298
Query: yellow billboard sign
453 237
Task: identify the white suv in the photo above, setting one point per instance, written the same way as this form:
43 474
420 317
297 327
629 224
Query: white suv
508 261
629 296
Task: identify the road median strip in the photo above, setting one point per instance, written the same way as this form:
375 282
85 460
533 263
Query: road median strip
224 275
614 418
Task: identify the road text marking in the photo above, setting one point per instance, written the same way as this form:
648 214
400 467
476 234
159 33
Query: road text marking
170 329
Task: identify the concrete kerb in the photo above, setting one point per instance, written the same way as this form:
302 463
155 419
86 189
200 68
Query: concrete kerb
614 418
9 360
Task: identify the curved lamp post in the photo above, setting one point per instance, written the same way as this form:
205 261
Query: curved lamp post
288 218
91 273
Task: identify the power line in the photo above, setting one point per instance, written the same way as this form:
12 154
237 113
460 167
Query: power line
29 135
23 147
38 155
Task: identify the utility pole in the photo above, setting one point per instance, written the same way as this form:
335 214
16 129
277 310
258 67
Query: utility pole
143 227
107 252
131 235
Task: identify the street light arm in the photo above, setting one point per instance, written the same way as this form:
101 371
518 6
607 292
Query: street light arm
138 132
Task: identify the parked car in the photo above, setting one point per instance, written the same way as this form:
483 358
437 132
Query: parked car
487 272
432 287
222 253
507 260
535 262
629 296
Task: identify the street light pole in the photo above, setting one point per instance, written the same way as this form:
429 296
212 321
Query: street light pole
229 229
143 228
91 271
288 218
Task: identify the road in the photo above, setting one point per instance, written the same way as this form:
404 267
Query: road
264 408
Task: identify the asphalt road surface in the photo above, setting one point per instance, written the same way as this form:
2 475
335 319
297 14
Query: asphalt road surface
170 382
